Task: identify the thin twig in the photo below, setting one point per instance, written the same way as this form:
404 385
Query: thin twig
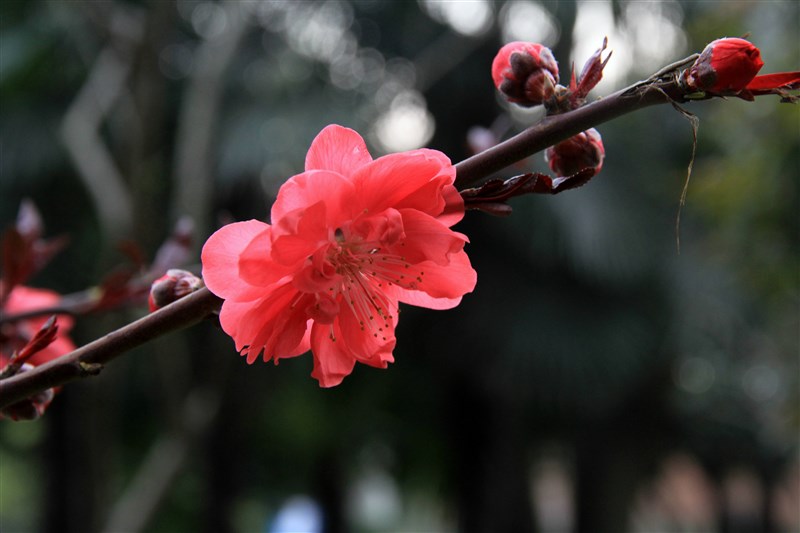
72 304
88 359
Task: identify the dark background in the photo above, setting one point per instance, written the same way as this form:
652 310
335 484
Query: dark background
598 379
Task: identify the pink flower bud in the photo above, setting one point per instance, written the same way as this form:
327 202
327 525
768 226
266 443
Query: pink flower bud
526 73
581 151
725 66
172 286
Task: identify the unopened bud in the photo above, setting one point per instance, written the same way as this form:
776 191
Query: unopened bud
725 66
526 73
172 286
581 151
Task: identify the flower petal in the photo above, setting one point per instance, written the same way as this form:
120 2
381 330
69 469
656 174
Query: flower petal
309 188
337 149
422 299
310 233
256 267
445 284
371 343
332 359
256 327
221 259
405 180
427 239
454 206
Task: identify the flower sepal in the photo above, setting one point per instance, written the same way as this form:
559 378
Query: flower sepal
491 197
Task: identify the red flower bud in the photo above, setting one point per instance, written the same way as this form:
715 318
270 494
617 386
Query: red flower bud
526 73
172 286
581 151
725 66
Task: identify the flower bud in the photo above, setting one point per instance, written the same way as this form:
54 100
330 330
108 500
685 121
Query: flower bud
526 73
172 286
725 66
579 152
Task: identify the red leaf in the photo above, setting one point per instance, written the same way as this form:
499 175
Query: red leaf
491 197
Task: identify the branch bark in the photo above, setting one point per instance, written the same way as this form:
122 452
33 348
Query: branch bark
557 128
88 360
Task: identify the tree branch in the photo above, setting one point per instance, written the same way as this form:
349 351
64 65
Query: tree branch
557 128
89 359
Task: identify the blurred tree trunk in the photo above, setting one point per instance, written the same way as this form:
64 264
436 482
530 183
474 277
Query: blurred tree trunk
147 151
607 469
70 465
222 479
492 471
329 489
615 455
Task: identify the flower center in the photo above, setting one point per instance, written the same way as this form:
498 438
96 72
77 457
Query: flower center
363 274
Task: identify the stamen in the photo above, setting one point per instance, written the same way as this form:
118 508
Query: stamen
365 272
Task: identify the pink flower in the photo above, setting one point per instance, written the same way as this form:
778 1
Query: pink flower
350 238
16 334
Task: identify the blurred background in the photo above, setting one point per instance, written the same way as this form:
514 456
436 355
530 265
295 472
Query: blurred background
598 379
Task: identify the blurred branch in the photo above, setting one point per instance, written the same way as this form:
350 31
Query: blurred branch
88 359
198 119
82 121
71 304
166 458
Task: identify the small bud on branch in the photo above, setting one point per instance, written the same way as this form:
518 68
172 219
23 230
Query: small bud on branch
582 151
525 73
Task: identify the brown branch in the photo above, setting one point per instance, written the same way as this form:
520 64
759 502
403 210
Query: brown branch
557 128
89 359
